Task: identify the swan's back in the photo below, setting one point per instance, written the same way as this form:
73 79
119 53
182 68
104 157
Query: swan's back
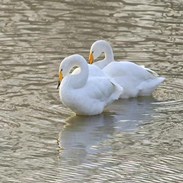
129 69
136 80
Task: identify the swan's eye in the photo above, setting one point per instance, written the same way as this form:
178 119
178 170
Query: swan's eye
92 52
61 70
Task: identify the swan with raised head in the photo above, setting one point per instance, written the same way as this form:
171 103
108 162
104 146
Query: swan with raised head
83 93
134 79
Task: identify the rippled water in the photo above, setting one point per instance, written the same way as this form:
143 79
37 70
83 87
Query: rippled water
135 140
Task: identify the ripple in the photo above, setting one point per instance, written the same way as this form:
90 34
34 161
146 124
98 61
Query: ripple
136 140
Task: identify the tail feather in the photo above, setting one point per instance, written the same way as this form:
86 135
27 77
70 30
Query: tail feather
118 90
147 87
150 71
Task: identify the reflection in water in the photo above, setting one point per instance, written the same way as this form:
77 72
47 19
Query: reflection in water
101 147
35 35
82 133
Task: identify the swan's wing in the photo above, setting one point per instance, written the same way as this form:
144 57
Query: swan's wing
133 78
95 71
129 70
103 89
150 71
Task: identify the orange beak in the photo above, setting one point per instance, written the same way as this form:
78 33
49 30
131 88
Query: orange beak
60 76
91 58
60 79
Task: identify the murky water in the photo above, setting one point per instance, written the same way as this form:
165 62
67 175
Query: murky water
135 140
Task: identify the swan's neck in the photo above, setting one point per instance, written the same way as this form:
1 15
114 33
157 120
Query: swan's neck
109 56
78 79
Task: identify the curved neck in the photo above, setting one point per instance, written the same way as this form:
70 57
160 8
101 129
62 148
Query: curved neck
108 53
107 49
78 78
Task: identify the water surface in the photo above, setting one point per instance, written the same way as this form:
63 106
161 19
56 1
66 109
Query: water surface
135 140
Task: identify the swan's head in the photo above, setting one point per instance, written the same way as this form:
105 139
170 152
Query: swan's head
97 48
67 65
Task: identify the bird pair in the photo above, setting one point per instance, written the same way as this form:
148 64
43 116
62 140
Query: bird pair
89 88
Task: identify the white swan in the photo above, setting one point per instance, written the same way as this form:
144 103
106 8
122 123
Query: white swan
83 93
135 80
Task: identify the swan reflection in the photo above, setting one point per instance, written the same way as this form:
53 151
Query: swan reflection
81 134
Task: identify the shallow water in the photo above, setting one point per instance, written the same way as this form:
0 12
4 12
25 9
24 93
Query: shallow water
135 140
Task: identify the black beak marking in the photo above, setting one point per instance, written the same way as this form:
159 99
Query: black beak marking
58 85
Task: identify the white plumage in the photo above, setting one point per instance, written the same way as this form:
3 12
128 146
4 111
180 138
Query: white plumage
86 91
134 79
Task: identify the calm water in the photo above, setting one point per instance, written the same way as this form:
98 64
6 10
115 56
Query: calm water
136 140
